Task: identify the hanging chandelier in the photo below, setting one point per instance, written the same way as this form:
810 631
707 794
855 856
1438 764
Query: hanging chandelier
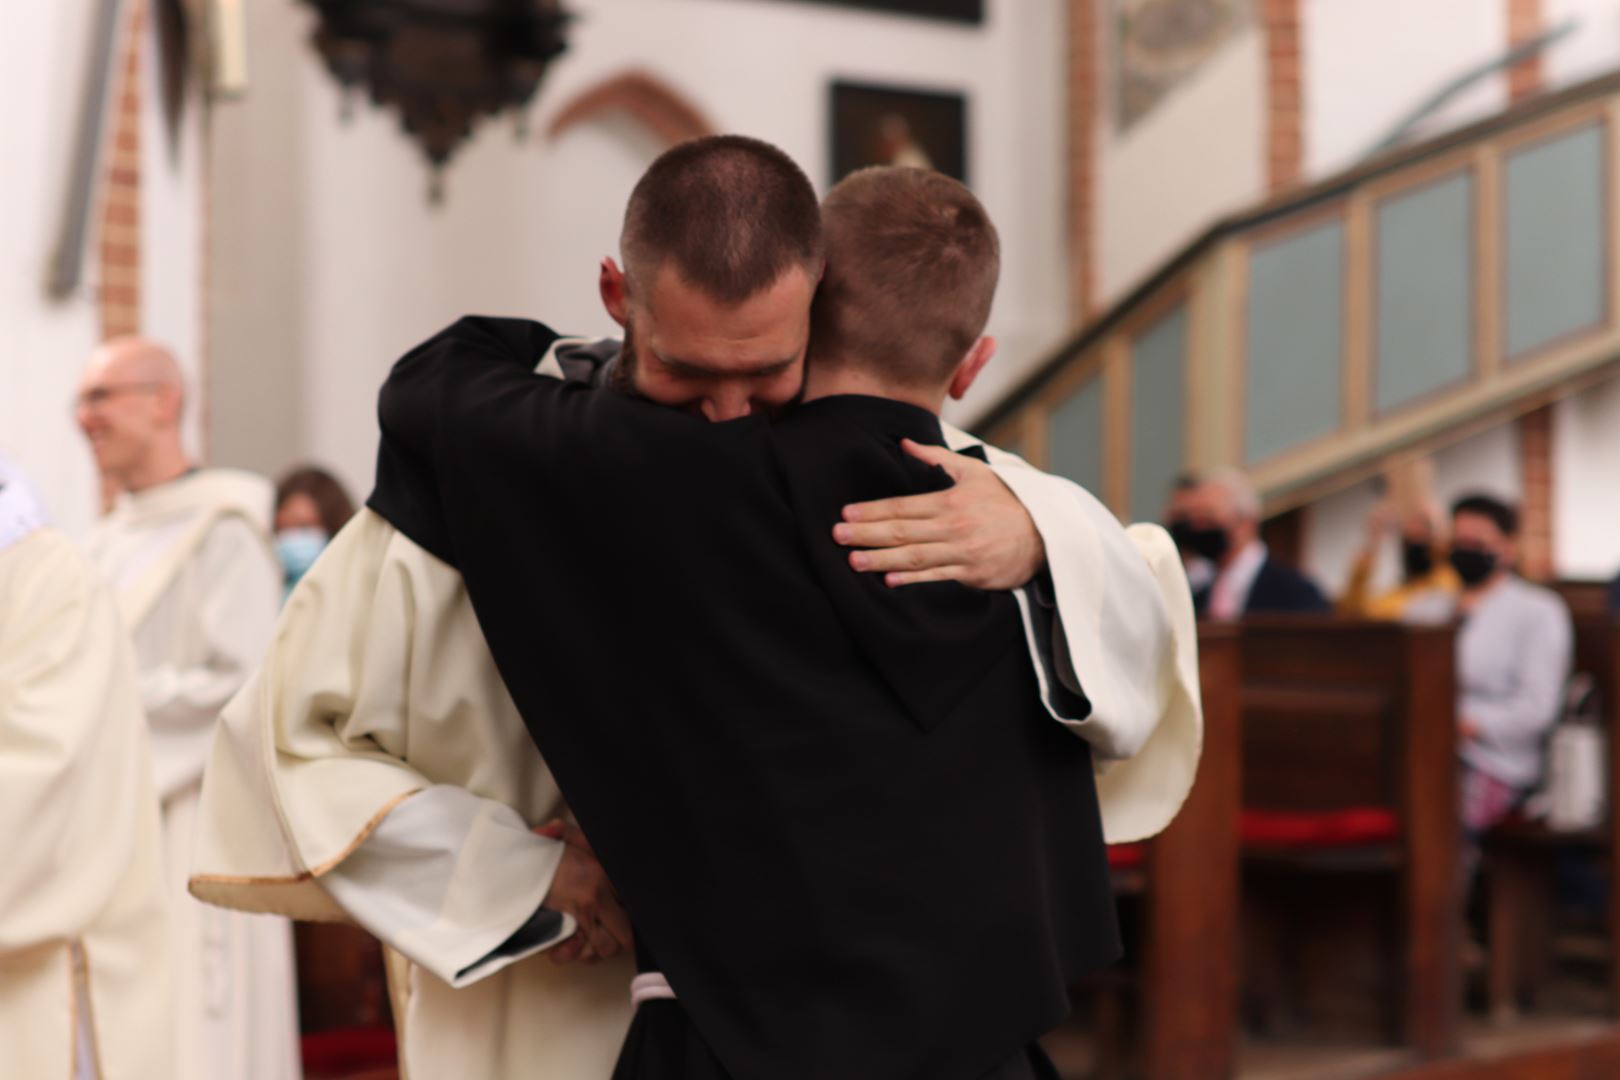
445 65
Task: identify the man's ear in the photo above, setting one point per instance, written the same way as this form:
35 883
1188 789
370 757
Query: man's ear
615 292
971 365
170 404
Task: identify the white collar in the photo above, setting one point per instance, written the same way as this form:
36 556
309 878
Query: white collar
1230 596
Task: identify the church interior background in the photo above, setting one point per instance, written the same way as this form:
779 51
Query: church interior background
1329 242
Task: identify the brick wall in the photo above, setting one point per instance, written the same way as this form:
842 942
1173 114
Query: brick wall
1535 429
118 268
1285 123
1085 60
1536 535
1524 23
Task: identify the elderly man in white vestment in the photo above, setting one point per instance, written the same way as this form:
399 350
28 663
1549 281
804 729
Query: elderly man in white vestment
188 555
84 975
376 769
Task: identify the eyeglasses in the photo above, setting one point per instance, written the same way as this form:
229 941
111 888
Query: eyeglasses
98 396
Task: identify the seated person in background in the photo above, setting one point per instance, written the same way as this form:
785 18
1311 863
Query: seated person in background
1513 658
1614 596
1217 519
1425 568
311 506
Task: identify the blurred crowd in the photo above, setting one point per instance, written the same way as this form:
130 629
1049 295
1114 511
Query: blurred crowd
1515 639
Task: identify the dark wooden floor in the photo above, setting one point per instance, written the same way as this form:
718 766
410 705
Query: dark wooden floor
1532 1049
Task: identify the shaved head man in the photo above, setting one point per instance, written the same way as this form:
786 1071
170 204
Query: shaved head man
188 554
131 401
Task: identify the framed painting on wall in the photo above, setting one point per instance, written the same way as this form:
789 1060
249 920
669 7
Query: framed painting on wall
963 11
895 125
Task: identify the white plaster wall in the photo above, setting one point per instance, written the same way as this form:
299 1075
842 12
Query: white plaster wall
1586 484
1198 155
1591 49
1336 529
43 52
172 177
368 268
1586 432
1367 63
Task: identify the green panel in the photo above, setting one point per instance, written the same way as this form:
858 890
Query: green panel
1553 278
1158 413
1424 279
1295 340
1075 437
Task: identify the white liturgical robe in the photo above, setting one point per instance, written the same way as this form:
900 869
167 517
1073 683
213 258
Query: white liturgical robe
84 974
376 769
198 586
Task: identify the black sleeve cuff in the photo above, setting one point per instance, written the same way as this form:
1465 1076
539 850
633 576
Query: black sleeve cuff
544 926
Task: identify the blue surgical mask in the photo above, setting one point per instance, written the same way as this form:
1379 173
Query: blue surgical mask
298 549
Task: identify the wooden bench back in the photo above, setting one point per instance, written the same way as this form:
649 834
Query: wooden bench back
1190 969
1340 713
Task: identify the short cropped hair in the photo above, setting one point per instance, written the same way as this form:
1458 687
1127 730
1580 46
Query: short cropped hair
912 263
1503 515
731 214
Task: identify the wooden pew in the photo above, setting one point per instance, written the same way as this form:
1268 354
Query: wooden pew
1170 1013
345 1019
1190 960
1521 856
1349 779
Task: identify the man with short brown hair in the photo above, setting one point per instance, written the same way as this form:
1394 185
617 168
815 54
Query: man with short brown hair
722 252
913 281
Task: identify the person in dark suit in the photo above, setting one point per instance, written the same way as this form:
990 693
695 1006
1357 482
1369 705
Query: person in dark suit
1215 521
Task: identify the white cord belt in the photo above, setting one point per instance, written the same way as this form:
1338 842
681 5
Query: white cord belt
651 986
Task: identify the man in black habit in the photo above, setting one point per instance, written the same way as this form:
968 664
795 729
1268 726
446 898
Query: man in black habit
850 835
842 747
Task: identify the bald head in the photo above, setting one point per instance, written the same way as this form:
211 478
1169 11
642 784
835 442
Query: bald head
131 399
135 359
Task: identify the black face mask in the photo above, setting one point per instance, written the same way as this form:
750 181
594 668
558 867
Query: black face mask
1211 543
1472 565
1417 559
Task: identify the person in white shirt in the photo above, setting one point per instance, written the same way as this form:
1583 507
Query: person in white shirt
1514 652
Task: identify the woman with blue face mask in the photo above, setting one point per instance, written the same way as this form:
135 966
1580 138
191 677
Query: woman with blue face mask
311 506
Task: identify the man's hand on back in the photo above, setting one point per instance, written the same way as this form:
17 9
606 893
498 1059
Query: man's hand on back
975 532
581 889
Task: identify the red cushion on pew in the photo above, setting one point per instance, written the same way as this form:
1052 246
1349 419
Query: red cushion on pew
340 1051
1126 856
1352 827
